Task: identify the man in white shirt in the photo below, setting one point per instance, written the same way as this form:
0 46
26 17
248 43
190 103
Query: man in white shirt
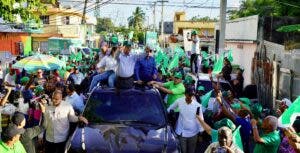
187 126
126 64
108 66
10 79
74 99
57 118
195 52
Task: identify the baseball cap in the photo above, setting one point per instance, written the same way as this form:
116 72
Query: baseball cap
127 43
12 130
194 32
24 80
178 75
245 101
225 122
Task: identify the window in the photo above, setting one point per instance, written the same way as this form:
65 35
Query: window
45 19
66 20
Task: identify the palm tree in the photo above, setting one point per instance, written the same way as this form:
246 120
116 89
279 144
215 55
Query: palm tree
137 19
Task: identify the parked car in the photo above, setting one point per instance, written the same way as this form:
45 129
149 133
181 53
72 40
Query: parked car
128 121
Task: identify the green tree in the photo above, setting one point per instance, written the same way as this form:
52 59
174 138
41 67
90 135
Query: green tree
9 9
104 25
266 8
204 19
137 19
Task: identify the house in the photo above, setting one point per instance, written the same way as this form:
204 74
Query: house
205 28
63 22
241 37
14 39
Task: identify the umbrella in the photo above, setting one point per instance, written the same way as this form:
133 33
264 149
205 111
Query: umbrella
39 61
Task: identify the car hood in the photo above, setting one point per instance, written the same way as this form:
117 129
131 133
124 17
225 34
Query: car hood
125 139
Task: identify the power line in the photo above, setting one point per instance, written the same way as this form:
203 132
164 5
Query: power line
89 9
172 5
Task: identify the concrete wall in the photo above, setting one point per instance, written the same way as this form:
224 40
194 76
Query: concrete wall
8 42
243 53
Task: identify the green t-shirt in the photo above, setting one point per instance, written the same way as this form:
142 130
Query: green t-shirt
271 143
18 148
178 91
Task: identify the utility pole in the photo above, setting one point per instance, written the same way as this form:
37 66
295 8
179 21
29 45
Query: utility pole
223 5
162 21
154 17
83 21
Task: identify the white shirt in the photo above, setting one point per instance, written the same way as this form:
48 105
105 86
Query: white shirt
57 121
10 79
126 64
187 124
196 45
76 101
1 74
109 62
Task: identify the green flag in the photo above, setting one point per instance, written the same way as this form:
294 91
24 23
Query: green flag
289 116
159 57
218 65
163 71
79 56
230 58
205 98
174 62
236 138
179 51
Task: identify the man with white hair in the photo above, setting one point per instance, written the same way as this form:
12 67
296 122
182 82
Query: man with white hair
270 140
224 144
282 106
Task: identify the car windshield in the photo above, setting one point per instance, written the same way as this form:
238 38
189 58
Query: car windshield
130 107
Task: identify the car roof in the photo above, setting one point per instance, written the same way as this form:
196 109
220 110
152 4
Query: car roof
101 90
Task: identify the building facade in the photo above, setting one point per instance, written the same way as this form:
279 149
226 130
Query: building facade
64 23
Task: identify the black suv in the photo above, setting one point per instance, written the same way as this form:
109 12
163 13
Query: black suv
128 121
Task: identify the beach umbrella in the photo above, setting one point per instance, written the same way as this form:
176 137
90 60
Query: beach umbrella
39 61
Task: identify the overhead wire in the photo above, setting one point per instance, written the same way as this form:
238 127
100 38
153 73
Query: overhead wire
88 9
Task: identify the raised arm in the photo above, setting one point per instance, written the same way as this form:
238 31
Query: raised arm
206 127
256 136
4 100
224 109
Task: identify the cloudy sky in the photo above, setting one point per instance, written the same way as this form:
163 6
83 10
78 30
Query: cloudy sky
120 12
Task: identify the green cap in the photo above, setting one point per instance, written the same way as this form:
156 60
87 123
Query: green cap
194 32
235 106
178 75
127 44
256 109
225 122
245 101
24 80
68 68
188 80
38 89
200 88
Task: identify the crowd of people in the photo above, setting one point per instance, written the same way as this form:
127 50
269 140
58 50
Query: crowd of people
42 104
